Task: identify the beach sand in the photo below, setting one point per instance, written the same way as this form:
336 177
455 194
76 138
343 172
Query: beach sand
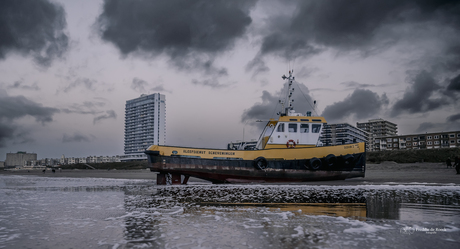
383 173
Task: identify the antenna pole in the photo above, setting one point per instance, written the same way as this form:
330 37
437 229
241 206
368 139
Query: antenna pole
285 110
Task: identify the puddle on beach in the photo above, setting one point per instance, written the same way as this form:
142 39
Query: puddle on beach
42 212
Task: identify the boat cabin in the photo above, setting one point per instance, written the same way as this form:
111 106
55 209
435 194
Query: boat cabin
291 132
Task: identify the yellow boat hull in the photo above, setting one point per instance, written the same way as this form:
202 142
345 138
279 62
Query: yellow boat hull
268 165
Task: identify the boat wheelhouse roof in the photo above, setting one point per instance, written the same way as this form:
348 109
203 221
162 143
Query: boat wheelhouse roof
301 119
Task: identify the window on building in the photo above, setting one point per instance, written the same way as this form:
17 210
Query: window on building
414 143
428 137
395 140
451 135
389 140
408 139
436 142
436 137
293 128
303 128
414 139
389 145
280 127
315 128
452 141
429 143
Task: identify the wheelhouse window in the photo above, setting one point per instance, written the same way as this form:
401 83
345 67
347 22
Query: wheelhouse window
292 127
315 128
304 128
280 127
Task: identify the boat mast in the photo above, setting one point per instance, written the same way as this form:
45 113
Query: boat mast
285 110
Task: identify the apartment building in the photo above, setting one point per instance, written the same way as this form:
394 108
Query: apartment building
145 125
433 140
19 159
335 134
377 128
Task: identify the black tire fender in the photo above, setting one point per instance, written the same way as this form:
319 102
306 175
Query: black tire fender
348 159
315 163
330 160
261 163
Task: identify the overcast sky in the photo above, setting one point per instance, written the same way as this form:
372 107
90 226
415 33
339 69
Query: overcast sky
68 67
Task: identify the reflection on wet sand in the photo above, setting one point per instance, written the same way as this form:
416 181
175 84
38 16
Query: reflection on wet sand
346 210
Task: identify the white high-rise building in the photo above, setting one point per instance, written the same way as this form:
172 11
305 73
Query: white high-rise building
335 134
145 125
377 128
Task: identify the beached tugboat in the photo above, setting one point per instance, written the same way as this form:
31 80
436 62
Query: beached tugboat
287 151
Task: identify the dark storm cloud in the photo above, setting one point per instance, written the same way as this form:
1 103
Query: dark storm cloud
453 118
20 85
142 86
13 108
85 82
452 124
419 97
32 27
257 65
355 84
139 85
109 114
190 32
7 132
160 88
270 106
361 104
454 86
213 83
87 107
77 137
352 25
426 126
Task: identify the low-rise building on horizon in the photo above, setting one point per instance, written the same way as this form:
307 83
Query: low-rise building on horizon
432 140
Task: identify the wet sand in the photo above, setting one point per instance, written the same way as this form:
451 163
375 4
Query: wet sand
384 173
